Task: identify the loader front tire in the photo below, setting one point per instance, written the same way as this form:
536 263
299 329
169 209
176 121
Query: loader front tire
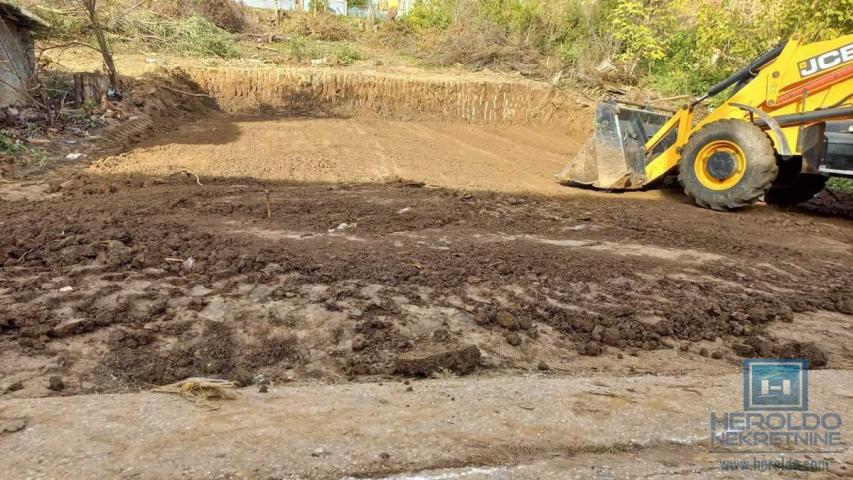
728 164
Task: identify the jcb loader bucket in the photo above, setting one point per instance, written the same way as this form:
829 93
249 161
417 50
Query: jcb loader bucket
614 158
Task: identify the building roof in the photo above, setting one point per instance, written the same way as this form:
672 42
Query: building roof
21 16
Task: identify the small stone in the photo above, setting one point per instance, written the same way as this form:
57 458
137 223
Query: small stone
703 351
410 389
70 326
13 425
716 354
684 348
513 339
56 384
214 366
242 377
743 350
263 389
543 366
19 385
441 335
358 343
533 332
188 264
591 349
384 456
845 306
320 452
507 320
66 289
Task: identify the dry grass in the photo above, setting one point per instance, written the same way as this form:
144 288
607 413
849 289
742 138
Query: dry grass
318 27
202 390
225 14
479 48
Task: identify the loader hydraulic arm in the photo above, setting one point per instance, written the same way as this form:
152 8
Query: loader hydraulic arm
743 75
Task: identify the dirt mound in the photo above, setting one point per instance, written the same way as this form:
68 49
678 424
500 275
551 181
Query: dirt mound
141 282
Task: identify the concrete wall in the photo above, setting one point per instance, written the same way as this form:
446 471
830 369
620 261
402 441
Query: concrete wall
16 66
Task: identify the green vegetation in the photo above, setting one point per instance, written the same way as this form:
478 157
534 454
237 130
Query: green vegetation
840 184
186 27
680 46
190 36
11 148
347 55
672 46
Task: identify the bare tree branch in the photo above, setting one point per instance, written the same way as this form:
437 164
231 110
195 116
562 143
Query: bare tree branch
92 11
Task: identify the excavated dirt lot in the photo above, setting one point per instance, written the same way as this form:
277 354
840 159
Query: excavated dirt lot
451 154
324 245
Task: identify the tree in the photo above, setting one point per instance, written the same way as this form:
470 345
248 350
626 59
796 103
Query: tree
91 7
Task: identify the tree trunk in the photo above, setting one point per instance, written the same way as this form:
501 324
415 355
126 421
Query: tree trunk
103 46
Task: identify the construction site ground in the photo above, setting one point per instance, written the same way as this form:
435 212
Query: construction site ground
418 296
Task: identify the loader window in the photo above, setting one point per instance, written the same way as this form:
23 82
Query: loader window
663 144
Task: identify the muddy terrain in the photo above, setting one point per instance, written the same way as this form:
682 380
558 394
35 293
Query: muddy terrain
121 284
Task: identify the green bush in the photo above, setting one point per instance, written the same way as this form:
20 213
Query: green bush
189 36
675 46
841 184
432 14
195 35
347 55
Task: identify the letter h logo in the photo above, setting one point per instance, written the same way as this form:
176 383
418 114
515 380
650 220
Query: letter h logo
776 384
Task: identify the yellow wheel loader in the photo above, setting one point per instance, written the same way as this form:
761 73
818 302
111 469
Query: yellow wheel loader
787 127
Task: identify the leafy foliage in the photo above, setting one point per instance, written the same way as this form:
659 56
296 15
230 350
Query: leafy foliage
680 46
190 36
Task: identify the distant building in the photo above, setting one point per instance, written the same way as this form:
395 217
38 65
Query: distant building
17 59
375 8
380 9
339 7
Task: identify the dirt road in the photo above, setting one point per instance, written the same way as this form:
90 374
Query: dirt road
536 427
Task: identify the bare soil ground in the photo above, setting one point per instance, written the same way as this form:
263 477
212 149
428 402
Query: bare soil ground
455 155
170 279
537 427
334 249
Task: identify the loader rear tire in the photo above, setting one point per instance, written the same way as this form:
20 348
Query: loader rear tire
728 164
801 190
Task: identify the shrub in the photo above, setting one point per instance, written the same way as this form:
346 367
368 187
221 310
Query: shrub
321 26
432 14
347 55
225 14
190 36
